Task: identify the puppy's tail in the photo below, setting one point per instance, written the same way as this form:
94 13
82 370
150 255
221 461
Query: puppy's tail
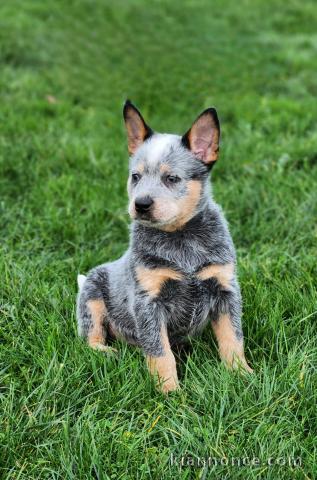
81 280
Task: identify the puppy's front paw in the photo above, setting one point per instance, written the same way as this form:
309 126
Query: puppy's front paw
103 348
247 368
169 385
241 364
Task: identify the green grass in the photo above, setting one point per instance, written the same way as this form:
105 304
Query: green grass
67 412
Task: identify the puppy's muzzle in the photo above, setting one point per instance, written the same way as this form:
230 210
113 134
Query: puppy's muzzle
143 206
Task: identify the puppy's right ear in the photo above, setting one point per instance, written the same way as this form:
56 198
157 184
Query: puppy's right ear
137 130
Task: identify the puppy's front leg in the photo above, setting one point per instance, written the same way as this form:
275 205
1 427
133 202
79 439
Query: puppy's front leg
164 365
230 342
151 324
153 338
226 314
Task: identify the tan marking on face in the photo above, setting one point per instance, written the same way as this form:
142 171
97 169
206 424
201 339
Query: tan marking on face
185 207
231 349
140 167
152 279
223 274
165 210
164 367
164 168
96 335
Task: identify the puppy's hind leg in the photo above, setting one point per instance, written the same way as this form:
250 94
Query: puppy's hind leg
92 314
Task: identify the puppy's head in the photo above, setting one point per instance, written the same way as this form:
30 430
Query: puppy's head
168 173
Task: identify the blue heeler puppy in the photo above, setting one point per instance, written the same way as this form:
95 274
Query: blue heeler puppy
179 272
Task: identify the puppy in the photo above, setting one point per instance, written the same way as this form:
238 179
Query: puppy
179 272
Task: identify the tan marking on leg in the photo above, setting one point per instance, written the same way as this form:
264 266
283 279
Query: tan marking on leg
152 279
165 366
231 349
96 335
223 274
186 206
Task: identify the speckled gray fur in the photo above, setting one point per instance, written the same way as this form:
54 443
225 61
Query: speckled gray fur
184 306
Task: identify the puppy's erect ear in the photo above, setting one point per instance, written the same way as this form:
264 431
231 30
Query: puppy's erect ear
203 137
138 131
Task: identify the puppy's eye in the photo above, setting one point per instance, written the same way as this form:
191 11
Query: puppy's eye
135 177
172 179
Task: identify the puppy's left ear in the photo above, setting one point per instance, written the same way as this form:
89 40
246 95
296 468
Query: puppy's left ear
137 130
203 137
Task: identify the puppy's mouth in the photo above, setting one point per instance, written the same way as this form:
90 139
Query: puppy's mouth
148 217
156 222
144 217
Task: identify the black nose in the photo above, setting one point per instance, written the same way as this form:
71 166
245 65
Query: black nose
143 204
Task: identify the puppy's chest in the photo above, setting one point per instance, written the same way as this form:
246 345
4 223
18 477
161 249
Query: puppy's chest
187 257
185 290
185 270
187 302
171 282
190 286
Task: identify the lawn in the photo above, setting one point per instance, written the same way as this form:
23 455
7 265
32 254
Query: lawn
67 412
